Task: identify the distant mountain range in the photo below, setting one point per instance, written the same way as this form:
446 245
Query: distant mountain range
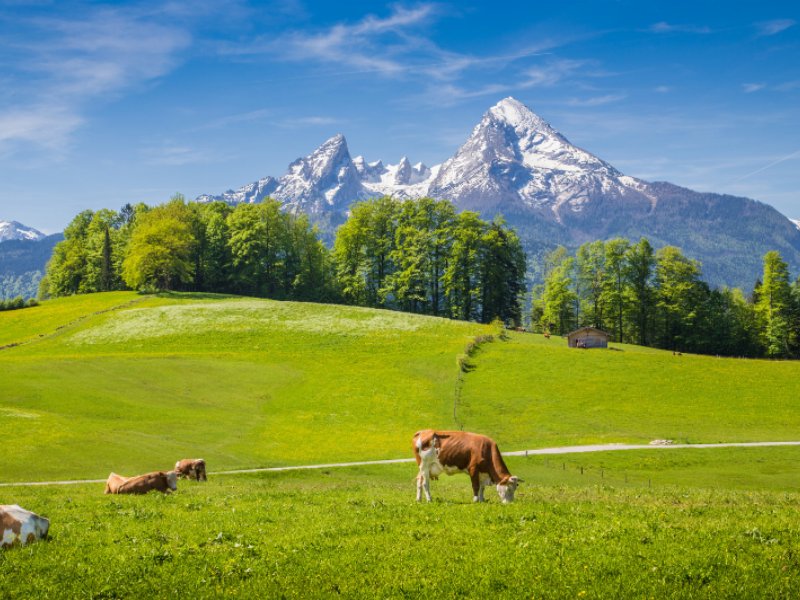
12 230
24 253
516 164
551 191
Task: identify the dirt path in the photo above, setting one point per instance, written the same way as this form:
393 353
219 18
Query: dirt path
537 451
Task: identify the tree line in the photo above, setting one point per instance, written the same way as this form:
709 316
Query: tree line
658 298
418 256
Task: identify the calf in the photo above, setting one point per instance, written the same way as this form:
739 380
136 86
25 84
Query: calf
141 484
20 526
451 452
191 467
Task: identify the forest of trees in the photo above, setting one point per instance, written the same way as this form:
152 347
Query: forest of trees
658 298
417 256
421 256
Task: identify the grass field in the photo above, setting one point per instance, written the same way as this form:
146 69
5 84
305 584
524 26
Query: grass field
130 383
357 532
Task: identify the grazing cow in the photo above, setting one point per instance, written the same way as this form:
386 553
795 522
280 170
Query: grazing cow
141 484
191 468
20 526
462 452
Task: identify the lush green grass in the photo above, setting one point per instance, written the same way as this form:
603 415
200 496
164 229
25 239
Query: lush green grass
245 383
131 383
536 391
241 382
358 533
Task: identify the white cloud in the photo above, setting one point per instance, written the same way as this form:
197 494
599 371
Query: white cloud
45 126
308 121
171 154
597 100
749 88
774 26
664 27
63 65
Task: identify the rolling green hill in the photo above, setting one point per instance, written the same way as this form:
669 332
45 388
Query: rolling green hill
125 382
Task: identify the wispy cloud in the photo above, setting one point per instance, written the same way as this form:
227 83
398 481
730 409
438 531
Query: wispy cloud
171 154
597 100
664 27
749 88
313 121
373 44
790 156
251 116
62 65
765 28
663 89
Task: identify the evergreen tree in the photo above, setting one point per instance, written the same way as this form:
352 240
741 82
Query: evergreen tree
774 305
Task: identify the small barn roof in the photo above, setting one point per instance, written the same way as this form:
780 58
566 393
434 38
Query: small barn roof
588 330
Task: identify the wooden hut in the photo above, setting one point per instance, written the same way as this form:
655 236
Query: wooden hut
588 337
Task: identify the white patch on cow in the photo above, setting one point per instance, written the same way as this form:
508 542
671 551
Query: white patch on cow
30 523
8 537
506 491
172 480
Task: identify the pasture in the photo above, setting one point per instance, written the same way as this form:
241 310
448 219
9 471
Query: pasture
131 383
357 532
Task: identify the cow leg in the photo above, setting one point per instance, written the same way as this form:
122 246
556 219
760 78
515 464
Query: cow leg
477 492
424 481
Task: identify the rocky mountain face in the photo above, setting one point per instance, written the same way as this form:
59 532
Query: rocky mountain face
551 191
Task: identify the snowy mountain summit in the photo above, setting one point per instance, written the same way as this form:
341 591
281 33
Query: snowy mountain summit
514 160
12 230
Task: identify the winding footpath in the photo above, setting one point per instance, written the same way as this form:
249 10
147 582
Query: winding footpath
362 463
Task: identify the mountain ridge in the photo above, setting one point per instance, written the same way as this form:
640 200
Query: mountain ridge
552 192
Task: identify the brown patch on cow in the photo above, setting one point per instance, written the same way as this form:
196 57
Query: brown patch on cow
148 482
9 522
31 538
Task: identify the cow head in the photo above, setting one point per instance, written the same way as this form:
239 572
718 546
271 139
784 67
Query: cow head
507 487
172 480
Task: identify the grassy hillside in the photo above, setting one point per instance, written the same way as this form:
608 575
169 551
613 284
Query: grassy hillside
126 382
561 396
241 382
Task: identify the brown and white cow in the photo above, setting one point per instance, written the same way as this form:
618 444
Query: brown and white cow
192 468
462 452
20 526
161 481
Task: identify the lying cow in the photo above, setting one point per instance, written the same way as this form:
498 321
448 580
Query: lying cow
191 468
462 452
20 526
141 484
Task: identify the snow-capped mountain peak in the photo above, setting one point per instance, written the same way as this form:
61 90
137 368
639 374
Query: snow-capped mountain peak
13 230
515 160
796 222
517 115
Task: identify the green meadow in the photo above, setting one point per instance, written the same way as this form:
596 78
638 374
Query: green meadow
131 383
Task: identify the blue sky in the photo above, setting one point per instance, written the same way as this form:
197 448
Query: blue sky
107 103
